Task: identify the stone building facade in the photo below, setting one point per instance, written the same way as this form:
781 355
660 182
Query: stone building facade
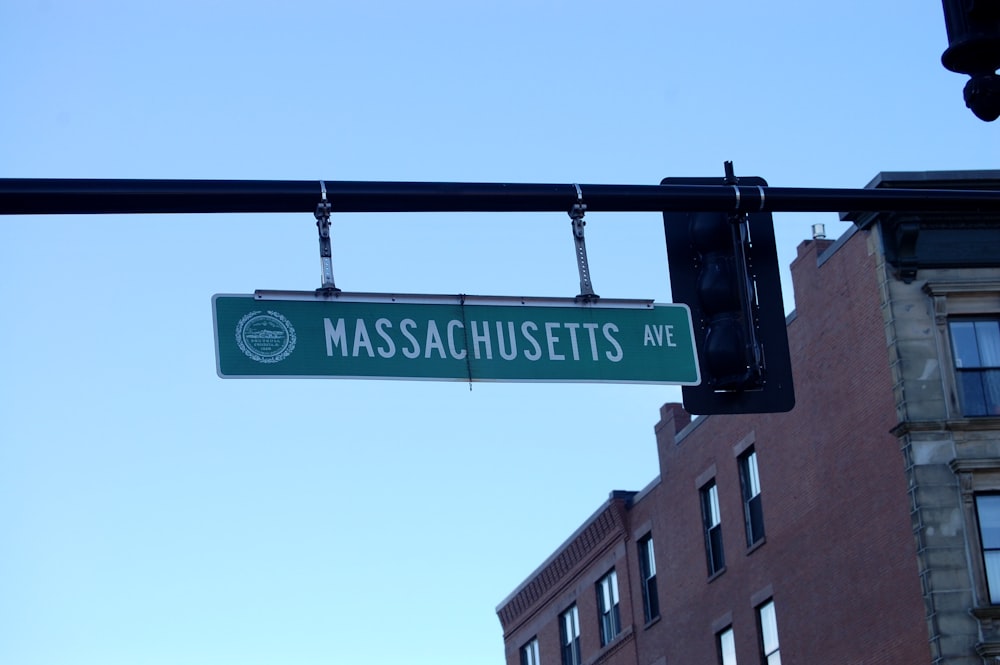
940 280
861 527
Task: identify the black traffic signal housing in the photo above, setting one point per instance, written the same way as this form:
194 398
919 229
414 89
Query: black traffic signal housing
724 267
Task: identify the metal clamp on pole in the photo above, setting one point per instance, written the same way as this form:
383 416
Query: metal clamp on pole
747 292
576 214
325 254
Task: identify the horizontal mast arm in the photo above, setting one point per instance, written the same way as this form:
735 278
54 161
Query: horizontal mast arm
47 196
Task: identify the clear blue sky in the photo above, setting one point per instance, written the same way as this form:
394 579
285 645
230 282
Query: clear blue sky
152 513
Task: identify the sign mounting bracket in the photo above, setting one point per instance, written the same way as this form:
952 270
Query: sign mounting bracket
576 214
325 253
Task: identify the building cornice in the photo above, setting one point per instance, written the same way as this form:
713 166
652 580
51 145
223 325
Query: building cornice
605 528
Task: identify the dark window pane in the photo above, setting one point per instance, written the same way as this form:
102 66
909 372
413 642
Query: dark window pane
963 339
647 569
991 391
652 599
970 387
609 625
717 560
711 518
753 512
756 519
992 561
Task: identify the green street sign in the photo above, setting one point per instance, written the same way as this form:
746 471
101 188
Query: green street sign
460 338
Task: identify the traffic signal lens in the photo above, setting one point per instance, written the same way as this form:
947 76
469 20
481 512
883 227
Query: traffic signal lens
726 350
711 232
717 285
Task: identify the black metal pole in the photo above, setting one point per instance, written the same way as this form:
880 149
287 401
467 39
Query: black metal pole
46 196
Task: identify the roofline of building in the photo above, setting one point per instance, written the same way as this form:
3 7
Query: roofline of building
612 497
977 179
641 494
933 179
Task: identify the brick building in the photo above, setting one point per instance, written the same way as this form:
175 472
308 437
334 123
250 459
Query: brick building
861 527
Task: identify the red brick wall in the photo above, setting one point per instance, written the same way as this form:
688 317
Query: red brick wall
839 554
839 558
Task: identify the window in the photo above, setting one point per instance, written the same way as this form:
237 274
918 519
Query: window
569 636
988 510
976 345
768 634
647 568
607 605
713 528
529 652
753 513
726 643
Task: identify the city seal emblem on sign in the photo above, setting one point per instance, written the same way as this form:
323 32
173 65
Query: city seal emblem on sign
267 337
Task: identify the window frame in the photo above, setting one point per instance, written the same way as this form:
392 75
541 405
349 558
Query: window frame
975 479
608 616
753 510
992 595
647 576
529 652
954 300
720 647
980 370
770 654
711 516
569 644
